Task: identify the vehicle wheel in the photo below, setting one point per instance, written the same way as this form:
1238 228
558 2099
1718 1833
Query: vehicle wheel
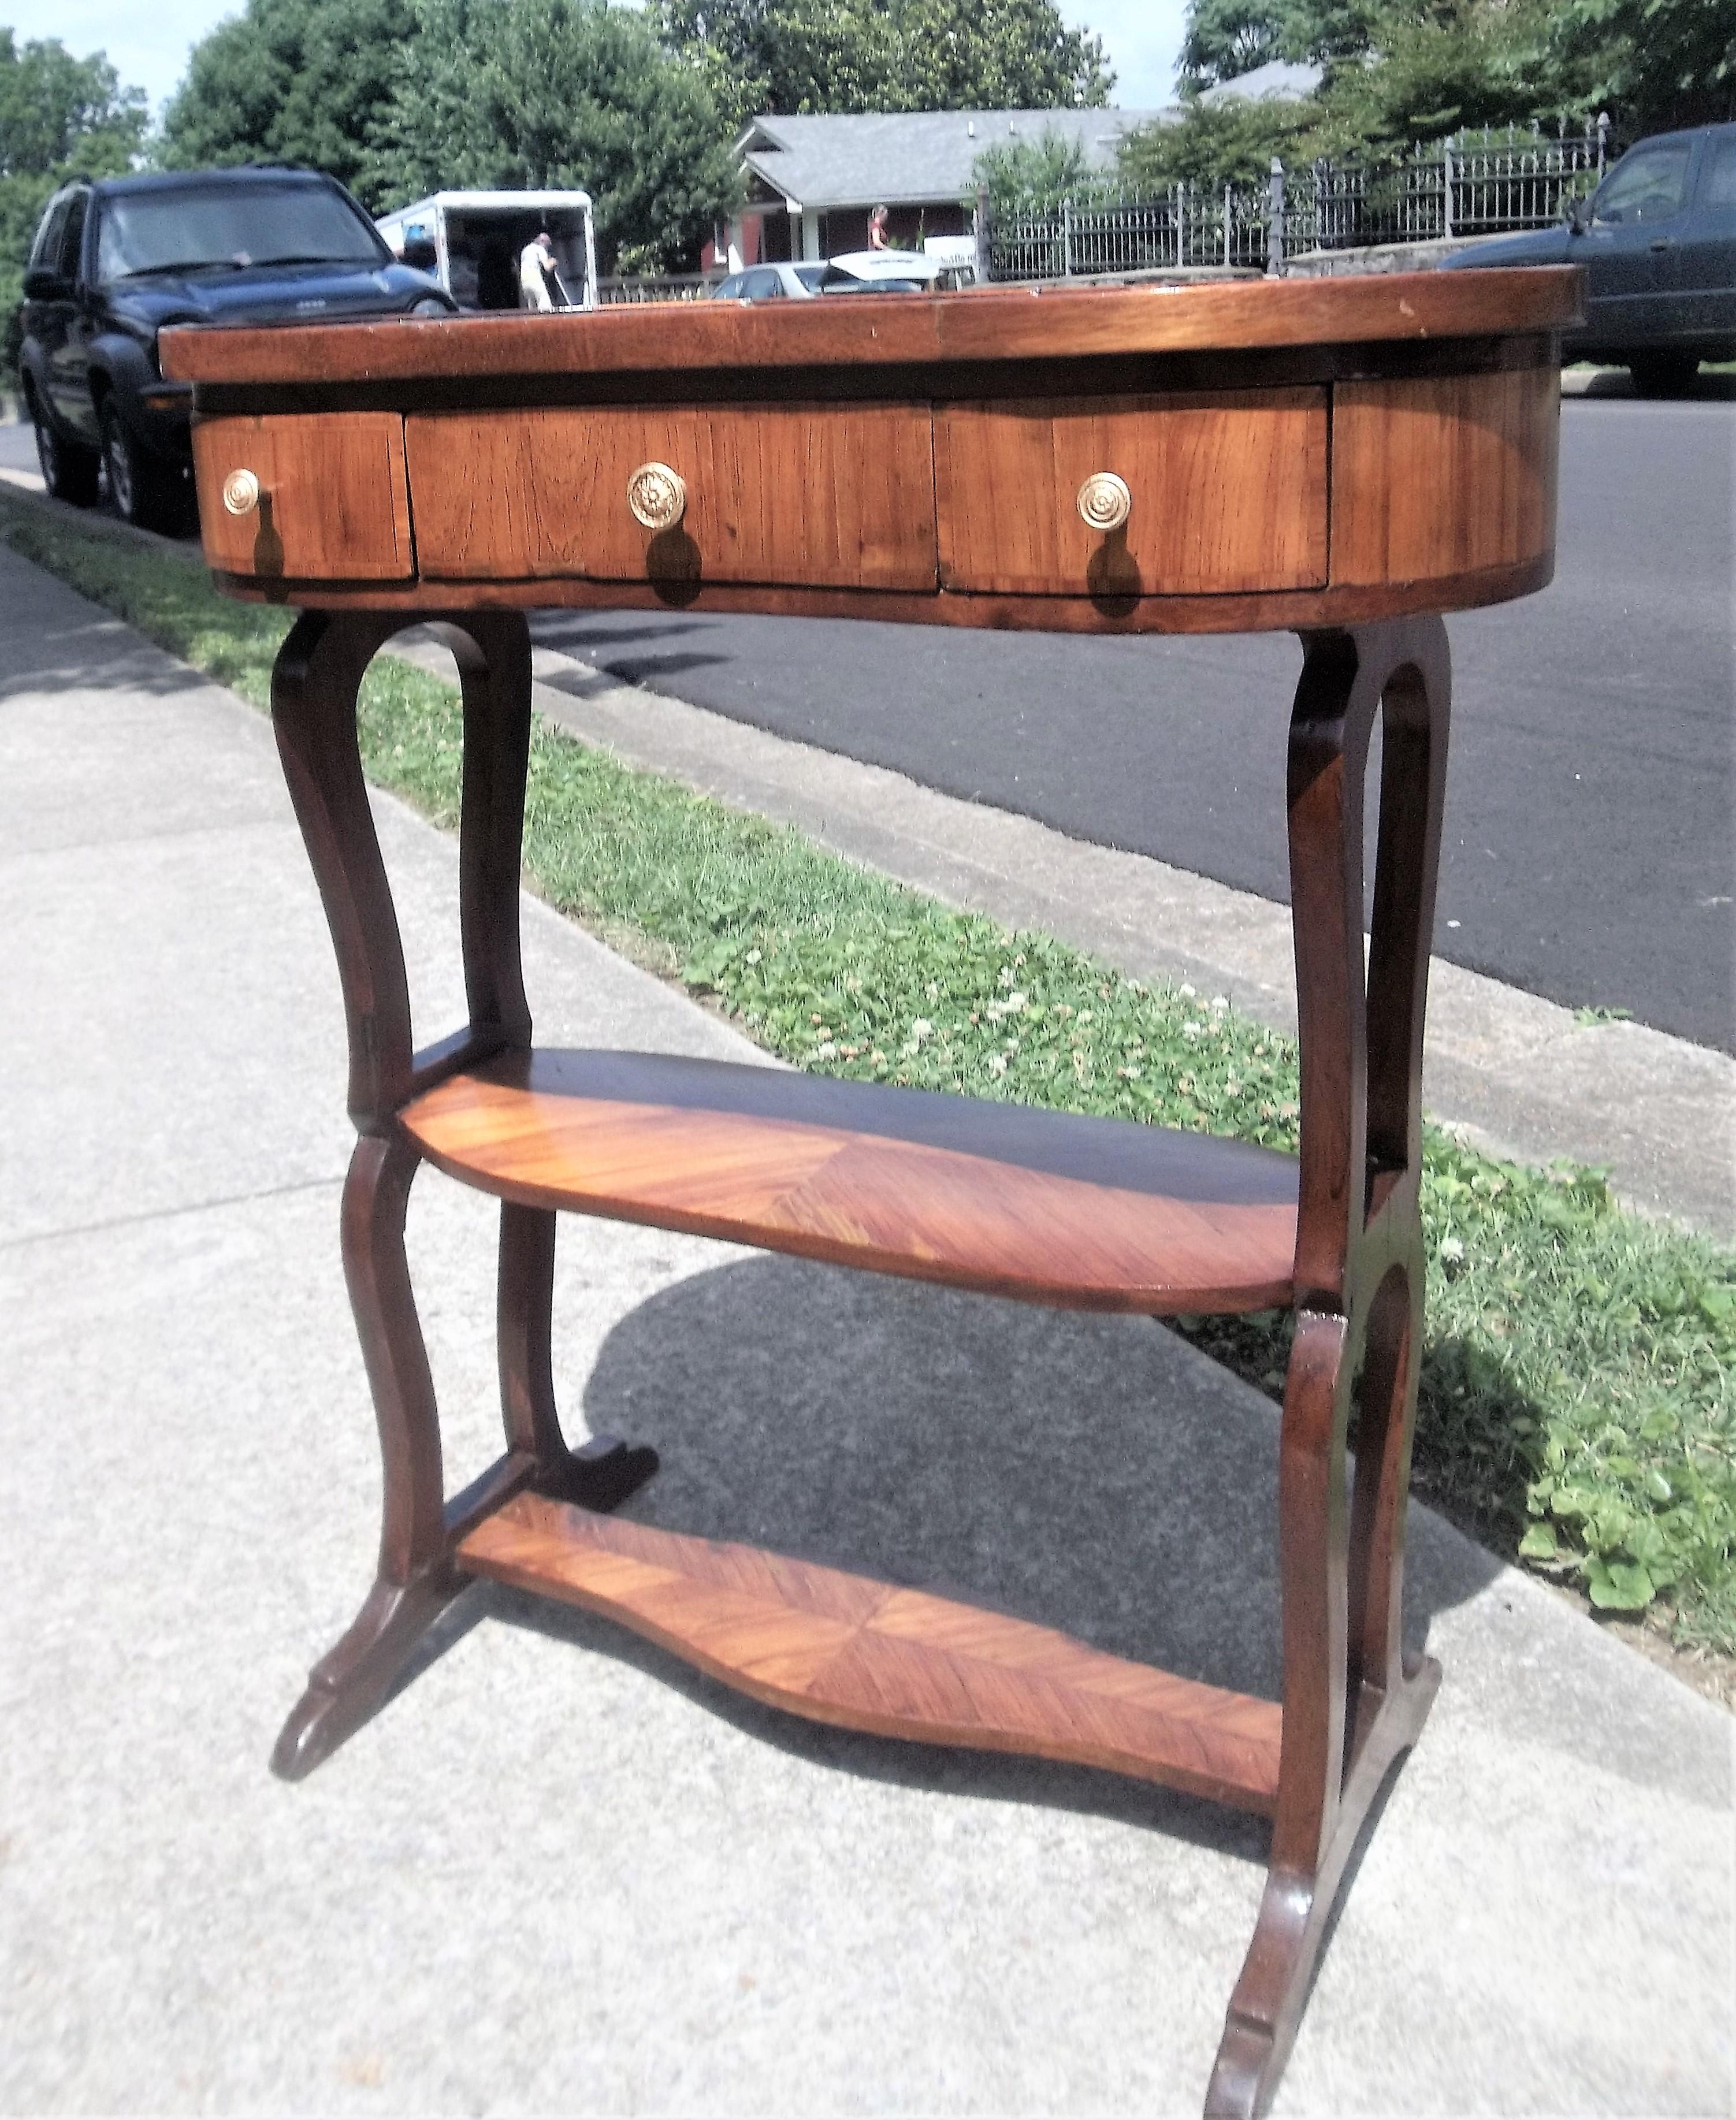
69 471
1663 375
142 489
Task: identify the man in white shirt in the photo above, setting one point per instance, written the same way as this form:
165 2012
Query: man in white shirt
539 281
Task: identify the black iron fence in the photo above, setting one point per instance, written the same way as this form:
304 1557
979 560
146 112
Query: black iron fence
1474 184
612 291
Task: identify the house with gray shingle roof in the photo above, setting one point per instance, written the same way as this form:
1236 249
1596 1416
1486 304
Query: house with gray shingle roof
812 181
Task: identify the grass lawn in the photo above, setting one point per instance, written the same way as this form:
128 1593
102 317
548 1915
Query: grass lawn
1578 1404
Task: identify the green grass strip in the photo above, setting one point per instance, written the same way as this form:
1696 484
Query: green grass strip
1577 1409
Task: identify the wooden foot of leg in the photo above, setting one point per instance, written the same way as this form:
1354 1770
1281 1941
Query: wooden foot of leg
416 1580
603 1472
347 1687
1276 1976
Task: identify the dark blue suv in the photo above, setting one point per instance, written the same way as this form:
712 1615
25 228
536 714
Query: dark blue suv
1658 239
117 260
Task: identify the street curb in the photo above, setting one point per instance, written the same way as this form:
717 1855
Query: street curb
1518 1076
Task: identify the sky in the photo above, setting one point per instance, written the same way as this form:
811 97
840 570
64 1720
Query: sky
148 44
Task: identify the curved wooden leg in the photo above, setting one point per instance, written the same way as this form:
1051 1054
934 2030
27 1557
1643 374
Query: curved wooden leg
1342 1730
1352 1705
415 1581
603 1472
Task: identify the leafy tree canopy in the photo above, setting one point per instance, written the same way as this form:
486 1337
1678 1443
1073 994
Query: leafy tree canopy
55 110
560 94
1400 73
1023 175
1653 64
398 98
292 80
843 55
1217 144
59 116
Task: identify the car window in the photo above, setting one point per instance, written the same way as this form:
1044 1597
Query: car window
1647 185
729 289
763 286
72 242
1717 186
811 277
236 225
45 250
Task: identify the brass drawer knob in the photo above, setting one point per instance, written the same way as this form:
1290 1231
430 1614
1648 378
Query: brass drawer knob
657 495
240 493
1104 502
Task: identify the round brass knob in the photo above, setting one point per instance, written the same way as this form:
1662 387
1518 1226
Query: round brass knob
657 495
240 493
1104 502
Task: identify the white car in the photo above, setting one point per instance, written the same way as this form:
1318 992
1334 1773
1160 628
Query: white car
770 283
861 272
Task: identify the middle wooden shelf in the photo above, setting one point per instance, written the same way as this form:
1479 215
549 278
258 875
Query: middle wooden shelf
1049 1206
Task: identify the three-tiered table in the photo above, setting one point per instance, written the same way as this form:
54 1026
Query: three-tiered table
1349 458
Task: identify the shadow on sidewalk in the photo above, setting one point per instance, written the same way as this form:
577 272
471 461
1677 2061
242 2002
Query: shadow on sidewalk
1093 1474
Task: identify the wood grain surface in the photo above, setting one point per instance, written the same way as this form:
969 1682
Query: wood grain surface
1048 1208
333 497
1443 475
1255 612
996 323
862 1655
1229 493
839 495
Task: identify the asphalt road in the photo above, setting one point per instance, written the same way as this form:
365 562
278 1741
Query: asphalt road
1589 853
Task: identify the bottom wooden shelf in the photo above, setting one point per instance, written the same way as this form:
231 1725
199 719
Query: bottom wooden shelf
867 1656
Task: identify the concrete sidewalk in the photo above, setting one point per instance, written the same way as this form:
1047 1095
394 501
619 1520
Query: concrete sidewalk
559 1873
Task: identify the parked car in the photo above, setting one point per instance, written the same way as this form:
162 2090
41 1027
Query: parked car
880 272
117 261
771 283
1658 238
862 272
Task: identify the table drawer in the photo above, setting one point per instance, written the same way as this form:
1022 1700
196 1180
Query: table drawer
305 496
830 496
1224 492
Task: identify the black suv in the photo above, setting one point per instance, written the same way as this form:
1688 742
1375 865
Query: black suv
115 262
1658 238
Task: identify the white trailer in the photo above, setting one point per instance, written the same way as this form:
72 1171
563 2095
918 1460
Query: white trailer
471 242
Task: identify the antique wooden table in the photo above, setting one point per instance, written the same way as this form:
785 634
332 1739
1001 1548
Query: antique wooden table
1349 458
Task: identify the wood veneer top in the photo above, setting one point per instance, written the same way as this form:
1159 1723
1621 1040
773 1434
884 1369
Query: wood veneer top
984 324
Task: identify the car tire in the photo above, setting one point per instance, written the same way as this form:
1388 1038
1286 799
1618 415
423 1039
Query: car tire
69 469
1663 375
141 488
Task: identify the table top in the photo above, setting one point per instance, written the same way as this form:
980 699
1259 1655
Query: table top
981 324
1235 457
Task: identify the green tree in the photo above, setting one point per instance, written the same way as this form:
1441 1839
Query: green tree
1399 72
1653 64
1217 144
59 116
293 80
844 55
525 94
1026 176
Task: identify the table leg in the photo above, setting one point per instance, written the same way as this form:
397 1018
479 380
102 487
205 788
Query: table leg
1351 1705
314 688
414 1581
601 1473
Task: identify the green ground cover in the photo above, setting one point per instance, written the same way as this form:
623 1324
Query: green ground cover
1577 1404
